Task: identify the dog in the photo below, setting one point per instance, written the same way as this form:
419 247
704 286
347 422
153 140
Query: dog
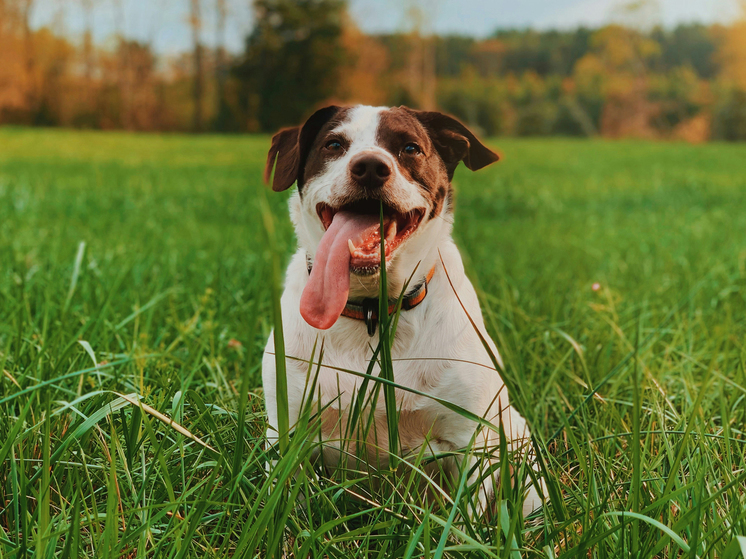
347 162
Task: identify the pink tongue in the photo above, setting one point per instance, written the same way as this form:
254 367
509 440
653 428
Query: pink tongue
325 295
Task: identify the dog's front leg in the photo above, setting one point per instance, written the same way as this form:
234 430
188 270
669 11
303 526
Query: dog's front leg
270 400
487 474
484 463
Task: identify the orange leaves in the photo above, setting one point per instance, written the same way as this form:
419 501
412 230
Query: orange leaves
732 54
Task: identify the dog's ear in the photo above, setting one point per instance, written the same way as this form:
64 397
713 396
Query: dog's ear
290 148
454 142
284 151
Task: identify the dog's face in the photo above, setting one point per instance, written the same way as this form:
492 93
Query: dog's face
347 163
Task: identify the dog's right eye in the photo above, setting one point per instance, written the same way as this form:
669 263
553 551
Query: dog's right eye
333 145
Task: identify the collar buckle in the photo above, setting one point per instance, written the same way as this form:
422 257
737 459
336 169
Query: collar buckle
370 309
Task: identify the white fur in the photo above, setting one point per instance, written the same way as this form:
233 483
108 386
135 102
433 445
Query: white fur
436 351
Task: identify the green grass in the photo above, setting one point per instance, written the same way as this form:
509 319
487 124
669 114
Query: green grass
135 291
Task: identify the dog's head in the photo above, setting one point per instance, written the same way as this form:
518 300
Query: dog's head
348 161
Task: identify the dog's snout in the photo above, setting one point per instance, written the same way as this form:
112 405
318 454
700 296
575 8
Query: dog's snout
369 170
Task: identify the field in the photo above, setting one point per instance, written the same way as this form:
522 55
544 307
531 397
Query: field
135 299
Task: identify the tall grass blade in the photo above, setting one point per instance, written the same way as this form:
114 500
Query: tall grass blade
387 365
283 421
440 550
736 548
636 442
74 278
653 522
243 397
44 502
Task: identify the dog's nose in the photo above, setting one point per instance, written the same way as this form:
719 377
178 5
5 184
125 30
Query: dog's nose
369 170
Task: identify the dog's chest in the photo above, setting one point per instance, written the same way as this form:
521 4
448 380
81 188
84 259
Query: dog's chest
347 357
419 368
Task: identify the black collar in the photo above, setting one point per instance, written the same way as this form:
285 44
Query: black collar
367 309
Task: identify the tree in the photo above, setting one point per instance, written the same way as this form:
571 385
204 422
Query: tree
223 115
292 60
365 77
616 71
28 6
13 71
730 118
688 45
196 23
545 53
732 52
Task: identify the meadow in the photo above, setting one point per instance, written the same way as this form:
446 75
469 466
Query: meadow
136 277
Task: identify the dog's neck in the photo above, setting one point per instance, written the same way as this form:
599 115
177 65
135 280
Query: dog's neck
413 285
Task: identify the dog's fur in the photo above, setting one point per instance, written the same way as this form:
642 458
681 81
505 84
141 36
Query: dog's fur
436 350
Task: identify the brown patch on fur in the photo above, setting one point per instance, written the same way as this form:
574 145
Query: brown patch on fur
291 147
440 197
397 127
444 142
317 157
454 141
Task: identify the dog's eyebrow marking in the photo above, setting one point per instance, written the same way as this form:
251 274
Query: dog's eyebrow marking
361 126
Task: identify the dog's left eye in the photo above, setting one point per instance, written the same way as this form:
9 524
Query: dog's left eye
412 149
333 145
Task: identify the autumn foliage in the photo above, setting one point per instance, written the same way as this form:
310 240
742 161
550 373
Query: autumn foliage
688 83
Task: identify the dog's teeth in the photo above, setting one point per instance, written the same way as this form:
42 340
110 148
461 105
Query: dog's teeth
391 232
351 247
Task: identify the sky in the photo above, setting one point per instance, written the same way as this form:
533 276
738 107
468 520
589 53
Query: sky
481 17
164 23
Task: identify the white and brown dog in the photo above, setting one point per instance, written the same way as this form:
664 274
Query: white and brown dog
347 161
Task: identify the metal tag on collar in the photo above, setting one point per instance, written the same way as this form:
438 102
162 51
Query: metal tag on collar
370 306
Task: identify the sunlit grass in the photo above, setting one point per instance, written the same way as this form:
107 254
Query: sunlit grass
136 278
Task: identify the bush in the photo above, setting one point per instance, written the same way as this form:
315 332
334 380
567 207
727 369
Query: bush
536 119
478 102
730 117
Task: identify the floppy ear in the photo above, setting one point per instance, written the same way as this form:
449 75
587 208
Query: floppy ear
284 150
454 142
290 148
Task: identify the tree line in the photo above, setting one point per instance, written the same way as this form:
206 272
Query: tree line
684 83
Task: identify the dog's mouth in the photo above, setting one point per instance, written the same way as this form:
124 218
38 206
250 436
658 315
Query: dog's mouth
351 244
364 238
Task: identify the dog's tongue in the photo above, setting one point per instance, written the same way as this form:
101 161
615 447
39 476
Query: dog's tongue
325 295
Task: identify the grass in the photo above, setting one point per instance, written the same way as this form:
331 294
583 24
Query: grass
136 297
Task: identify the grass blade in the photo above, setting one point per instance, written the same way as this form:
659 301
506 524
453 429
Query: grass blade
387 365
74 278
281 393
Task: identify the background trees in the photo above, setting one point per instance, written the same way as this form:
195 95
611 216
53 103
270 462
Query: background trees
688 82
292 61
